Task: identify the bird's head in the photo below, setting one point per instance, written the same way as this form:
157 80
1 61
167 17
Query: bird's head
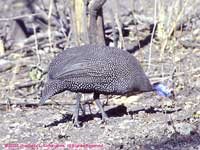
163 90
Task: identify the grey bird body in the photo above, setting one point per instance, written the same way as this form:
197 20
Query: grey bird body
95 68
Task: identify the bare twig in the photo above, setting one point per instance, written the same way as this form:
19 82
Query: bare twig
119 26
49 23
168 75
174 24
152 35
20 17
36 44
27 84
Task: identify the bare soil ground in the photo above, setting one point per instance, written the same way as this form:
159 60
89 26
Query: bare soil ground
144 121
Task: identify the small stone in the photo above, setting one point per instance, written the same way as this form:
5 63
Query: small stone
184 128
168 103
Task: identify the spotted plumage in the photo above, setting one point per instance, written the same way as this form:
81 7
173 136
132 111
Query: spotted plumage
95 68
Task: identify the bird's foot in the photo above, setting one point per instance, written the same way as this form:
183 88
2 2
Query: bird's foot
76 121
104 118
77 124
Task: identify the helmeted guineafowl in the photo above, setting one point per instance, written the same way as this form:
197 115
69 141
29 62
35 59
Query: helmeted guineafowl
95 69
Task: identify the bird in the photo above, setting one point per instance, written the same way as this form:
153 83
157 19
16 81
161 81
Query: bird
97 69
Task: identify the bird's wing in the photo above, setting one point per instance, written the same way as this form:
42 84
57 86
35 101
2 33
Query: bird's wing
60 61
85 71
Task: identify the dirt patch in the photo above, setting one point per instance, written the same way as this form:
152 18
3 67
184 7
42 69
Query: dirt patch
144 121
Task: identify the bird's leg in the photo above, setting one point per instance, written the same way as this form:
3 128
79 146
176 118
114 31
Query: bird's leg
82 106
88 102
98 103
76 112
106 101
89 107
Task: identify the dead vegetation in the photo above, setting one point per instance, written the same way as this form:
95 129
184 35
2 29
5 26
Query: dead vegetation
164 36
